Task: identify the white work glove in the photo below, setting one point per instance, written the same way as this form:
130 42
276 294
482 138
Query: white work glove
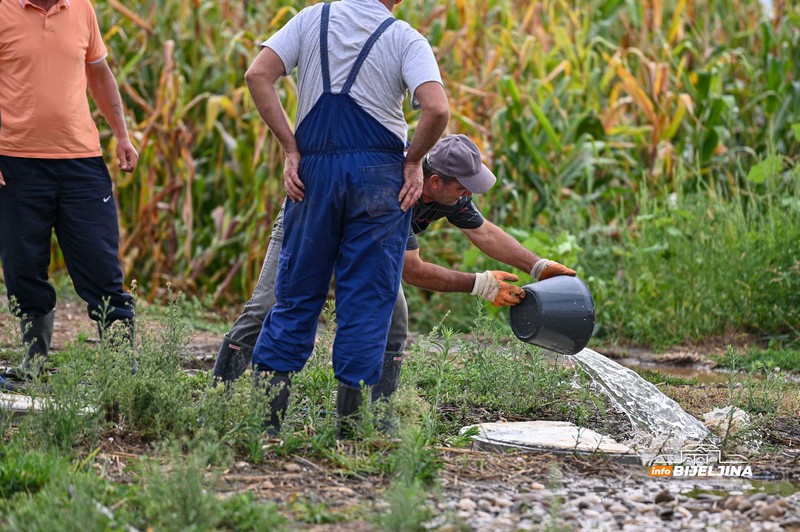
545 269
491 286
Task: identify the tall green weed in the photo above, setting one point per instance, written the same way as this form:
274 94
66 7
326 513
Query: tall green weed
68 502
143 387
43 493
25 470
698 263
460 375
414 468
65 415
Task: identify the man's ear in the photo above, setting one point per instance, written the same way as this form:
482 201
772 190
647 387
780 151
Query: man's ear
436 181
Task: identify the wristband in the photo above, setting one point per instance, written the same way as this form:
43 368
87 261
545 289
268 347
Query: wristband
486 286
539 267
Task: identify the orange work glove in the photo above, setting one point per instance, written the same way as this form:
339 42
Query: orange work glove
545 269
491 286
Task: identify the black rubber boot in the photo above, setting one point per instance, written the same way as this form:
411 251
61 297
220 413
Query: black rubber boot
383 391
348 410
390 376
276 387
37 333
8 386
232 360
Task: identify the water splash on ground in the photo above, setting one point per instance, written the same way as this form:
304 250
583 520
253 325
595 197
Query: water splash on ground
652 414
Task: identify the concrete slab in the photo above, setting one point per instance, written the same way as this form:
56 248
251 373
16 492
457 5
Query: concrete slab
558 437
20 405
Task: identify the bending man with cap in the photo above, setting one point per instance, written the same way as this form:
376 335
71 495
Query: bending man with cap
452 173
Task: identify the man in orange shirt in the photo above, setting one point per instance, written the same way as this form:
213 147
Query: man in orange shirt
52 173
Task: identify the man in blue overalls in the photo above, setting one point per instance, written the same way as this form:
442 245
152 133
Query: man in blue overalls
453 171
350 186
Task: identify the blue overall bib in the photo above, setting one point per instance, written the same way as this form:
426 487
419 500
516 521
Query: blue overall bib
350 224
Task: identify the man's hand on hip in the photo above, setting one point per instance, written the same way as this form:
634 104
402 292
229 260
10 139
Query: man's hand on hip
545 269
2 181
412 185
295 188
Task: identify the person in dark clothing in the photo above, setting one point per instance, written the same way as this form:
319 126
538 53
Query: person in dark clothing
52 173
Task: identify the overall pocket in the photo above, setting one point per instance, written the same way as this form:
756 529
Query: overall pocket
381 187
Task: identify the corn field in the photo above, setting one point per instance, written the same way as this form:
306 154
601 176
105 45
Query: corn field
576 105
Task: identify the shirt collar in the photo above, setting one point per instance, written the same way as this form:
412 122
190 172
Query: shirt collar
62 4
370 4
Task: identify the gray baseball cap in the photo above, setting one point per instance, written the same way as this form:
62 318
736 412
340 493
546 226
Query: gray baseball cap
457 156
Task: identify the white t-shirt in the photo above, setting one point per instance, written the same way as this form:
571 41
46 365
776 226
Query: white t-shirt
401 59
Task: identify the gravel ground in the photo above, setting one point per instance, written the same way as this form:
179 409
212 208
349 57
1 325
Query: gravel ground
531 491
633 503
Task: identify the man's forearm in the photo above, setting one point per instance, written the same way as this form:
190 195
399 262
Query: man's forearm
432 122
438 279
105 93
429 129
267 102
260 78
501 246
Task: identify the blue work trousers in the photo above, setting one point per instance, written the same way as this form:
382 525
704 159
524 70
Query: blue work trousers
350 225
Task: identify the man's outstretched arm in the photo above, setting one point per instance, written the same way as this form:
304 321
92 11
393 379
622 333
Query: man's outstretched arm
503 247
433 277
491 285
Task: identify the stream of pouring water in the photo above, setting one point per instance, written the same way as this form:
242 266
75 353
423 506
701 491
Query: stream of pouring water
648 409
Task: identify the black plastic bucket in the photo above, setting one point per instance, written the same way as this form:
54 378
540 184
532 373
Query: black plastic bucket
557 314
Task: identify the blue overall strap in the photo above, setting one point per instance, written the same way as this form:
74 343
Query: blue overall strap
365 52
323 49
